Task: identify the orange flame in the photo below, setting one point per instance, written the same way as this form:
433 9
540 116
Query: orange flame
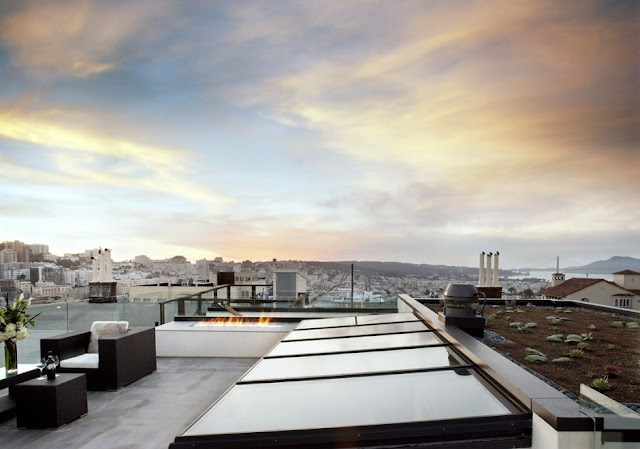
236 321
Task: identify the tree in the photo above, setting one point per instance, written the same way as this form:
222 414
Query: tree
36 257
67 263
512 290
527 293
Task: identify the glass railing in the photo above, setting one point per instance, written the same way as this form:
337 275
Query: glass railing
240 299
60 317
158 307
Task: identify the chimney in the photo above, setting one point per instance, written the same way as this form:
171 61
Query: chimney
481 273
494 281
487 279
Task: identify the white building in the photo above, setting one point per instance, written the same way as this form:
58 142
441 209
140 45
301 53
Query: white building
288 285
623 292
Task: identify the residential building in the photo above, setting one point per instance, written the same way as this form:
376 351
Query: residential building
8 255
39 248
22 249
288 285
623 292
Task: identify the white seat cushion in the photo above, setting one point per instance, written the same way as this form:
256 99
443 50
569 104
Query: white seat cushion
88 360
101 329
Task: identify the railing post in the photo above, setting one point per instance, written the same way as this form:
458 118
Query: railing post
161 313
181 306
199 309
229 293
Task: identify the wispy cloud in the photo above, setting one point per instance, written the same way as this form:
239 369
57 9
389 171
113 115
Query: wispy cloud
329 128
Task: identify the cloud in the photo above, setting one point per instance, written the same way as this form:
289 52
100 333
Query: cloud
81 38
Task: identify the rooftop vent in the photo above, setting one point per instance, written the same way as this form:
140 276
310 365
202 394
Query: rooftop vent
462 308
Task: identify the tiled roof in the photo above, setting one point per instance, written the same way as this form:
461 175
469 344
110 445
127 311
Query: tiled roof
569 286
626 272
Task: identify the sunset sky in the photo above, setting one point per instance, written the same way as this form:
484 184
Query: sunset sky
413 131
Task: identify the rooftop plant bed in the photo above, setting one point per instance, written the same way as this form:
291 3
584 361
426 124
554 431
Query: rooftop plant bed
570 346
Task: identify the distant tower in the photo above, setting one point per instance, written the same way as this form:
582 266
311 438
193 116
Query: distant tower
557 278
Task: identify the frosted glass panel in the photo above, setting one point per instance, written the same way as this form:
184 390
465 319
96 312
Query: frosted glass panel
357 401
352 363
356 330
327 322
387 318
356 344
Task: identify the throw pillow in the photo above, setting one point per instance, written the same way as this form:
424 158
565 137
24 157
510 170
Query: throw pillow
101 329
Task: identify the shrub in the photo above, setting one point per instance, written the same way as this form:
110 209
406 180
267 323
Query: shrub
632 325
617 324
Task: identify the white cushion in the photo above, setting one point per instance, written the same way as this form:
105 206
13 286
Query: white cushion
88 360
101 329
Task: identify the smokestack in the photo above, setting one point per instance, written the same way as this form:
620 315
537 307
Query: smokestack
481 273
487 278
494 281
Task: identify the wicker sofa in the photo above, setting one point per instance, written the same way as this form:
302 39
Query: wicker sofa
122 359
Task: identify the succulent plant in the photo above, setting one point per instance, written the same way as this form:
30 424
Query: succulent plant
563 361
573 338
584 346
576 353
617 324
536 358
559 338
600 384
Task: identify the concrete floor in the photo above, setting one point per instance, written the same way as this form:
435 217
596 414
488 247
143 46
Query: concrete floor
146 414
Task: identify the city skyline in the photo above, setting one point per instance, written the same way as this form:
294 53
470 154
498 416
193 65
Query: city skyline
422 132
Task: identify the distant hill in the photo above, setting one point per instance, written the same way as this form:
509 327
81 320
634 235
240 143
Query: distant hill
616 263
400 269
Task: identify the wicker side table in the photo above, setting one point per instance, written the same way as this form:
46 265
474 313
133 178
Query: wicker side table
46 404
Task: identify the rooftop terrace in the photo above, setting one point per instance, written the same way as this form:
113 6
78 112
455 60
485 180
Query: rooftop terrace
148 414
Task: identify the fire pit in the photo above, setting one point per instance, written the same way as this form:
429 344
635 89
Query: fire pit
220 337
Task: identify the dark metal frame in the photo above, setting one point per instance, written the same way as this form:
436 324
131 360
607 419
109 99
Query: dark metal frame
490 432
124 358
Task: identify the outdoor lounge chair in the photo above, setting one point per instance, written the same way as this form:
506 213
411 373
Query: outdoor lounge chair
118 361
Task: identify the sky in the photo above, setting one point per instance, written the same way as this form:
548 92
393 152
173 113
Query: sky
410 131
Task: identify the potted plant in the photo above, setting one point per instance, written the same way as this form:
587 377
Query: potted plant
13 327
